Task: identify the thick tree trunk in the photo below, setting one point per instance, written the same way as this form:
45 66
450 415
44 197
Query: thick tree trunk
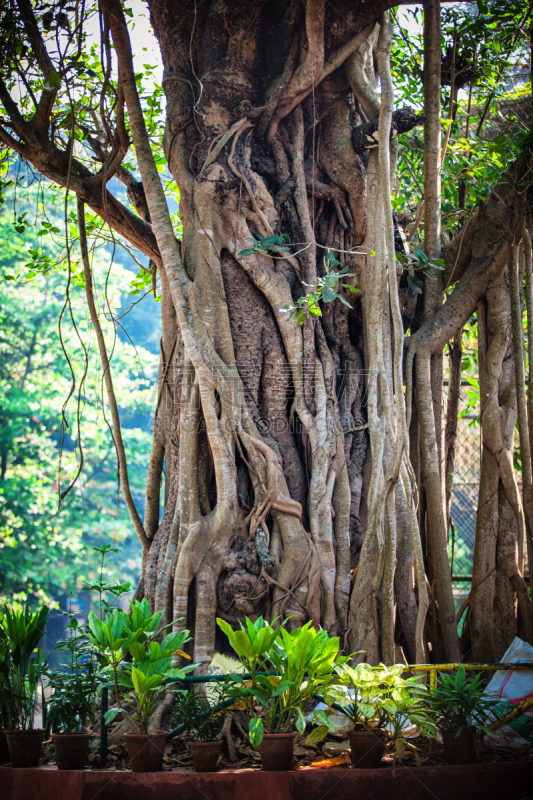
496 532
270 439
289 487
270 521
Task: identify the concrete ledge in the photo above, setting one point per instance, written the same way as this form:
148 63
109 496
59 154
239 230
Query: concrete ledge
506 781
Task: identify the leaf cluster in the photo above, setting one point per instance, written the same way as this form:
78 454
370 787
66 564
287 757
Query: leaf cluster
74 683
21 664
201 715
418 261
305 662
267 245
485 48
134 661
325 290
381 696
460 702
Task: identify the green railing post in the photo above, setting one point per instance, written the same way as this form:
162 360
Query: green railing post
104 702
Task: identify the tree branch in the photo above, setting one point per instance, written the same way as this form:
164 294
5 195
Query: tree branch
306 78
34 35
18 121
108 381
365 136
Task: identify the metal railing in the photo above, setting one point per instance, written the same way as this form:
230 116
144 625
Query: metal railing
432 669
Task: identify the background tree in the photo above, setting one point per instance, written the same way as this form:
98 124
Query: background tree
45 550
293 460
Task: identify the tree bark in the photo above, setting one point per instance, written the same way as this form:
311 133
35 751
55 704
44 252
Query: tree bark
289 487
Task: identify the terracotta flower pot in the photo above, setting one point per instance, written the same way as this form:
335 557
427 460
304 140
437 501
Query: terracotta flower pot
71 749
205 755
4 749
459 749
146 751
367 748
25 747
277 750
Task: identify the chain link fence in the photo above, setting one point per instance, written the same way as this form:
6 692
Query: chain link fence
464 501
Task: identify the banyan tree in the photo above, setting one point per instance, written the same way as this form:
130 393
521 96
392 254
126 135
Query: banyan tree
301 424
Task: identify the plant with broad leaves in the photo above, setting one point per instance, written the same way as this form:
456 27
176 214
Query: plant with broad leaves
460 702
21 665
379 697
149 675
304 661
407 706
362 703
325 290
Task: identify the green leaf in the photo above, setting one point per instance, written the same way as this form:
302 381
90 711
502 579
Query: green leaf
415 283
300 721
323 717
246 252
256 732
316 735
236 677
367 710
333 695
328 295
54 81
268 240
110 715
137 651
242 645
282 687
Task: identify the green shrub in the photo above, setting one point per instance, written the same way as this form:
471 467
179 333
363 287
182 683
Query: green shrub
150 674
459 702
21 664
74 683
201 715
305 662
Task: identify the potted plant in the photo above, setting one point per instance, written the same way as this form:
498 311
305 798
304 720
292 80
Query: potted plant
461 707
406 705
304 663
380 698
6 695
72 704
201 717
22 671
147 678
363 705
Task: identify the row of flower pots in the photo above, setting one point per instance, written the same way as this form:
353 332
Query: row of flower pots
276 749
22 748
282 671
146 751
